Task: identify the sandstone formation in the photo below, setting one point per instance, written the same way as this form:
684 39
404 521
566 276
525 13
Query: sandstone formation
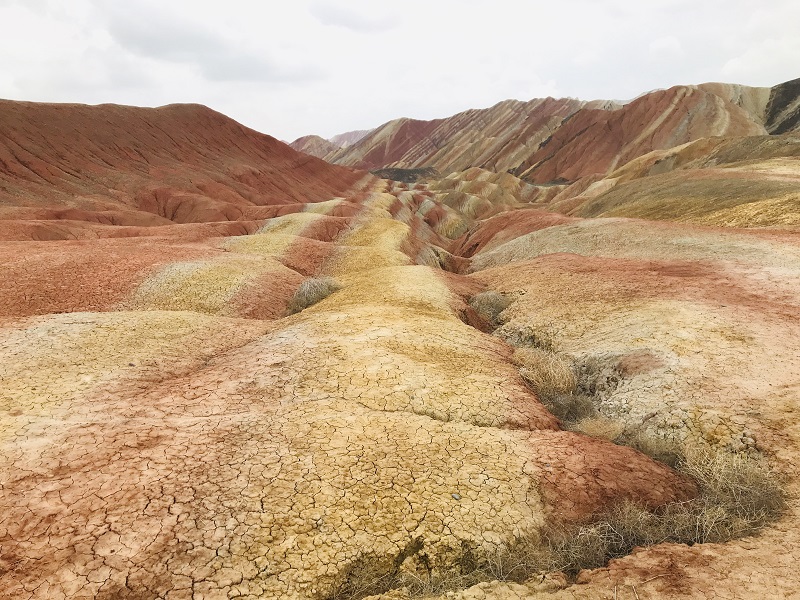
169 430
315 146
597 142
549 141
182 164
497 138
348 138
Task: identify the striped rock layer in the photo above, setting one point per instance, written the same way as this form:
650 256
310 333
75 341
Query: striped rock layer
549 140
169 430
123 165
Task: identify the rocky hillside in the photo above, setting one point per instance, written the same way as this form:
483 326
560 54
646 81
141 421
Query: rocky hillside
497 138
322 148
596 142
315 146
545 141
783 109
122 165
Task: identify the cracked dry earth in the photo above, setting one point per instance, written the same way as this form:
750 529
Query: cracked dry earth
163 446
166 432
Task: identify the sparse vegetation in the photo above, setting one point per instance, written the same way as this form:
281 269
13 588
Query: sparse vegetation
407 175
573 390
552 378
667 451
737 496
598 426
548 374
526 337
311 291
737 492
570 408
489 305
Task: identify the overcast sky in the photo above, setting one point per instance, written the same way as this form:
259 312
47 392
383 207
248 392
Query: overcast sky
313 66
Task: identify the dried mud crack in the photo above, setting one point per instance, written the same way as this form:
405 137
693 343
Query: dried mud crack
231 370
176 450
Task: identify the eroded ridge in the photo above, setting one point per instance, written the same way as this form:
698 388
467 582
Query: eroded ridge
168 447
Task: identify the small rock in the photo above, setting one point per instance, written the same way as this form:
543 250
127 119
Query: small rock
456 496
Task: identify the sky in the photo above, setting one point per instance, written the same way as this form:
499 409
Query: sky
299 67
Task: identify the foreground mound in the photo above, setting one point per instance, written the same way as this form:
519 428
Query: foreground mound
166 447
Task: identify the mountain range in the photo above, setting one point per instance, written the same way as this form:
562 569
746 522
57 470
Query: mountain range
562 140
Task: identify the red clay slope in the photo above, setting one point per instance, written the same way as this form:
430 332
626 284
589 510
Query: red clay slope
551 140
184 163
314 145
597 141
496 138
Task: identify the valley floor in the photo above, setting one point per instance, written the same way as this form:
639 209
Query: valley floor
168 431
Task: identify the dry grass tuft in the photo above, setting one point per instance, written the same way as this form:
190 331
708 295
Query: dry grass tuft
658 448
548 374
489 305
311 291
743 489
570 408
738 495
599 427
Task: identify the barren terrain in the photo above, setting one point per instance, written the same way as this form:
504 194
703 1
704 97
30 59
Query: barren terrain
169 428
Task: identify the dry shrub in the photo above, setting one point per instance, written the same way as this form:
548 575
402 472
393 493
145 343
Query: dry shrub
747 492
612 535
548 374
667 451
489 305
311 291
553 380
599 427
737 496
527 337
570 408
516 561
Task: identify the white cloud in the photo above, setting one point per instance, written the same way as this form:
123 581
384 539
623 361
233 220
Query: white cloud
318 66
363 19
769 62
668 47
